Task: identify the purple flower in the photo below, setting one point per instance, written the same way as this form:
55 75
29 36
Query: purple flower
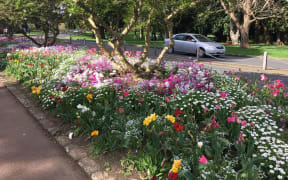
58 86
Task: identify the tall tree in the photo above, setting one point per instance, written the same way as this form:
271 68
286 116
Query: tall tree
131 11
245 12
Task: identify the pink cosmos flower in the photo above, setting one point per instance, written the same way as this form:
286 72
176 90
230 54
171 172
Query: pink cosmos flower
263 77
223 95
203 160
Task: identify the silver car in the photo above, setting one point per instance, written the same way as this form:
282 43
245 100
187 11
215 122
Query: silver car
188 43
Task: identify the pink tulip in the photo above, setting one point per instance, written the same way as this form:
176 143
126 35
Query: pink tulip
203 160
125 93
121 110
241 137
244 123
231 119
277 81
263 77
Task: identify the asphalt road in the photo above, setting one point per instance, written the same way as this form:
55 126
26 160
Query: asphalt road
273 63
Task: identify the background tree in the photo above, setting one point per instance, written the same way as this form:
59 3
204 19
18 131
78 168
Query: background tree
45 14
245 12
7 16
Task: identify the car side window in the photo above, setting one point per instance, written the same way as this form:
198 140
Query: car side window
189 38
180 37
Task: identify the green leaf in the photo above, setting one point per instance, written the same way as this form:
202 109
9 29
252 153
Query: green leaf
187 174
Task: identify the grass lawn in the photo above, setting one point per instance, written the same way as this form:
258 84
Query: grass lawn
129 39
31 33
258 50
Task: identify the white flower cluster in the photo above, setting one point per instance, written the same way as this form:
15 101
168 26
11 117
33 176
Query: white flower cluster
265 132
83 108
203 100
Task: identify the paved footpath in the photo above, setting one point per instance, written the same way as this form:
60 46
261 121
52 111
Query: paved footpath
26 153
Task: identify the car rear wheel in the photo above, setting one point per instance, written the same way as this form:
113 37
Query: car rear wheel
171 50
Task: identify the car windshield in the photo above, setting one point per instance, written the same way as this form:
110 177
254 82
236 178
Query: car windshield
202 38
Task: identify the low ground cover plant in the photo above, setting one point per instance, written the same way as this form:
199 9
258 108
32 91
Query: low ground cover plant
184 122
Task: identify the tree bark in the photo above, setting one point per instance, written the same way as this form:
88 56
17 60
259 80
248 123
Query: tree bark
244 32
234 33
266 35
278 41
102 31
141 33
135 34
257 30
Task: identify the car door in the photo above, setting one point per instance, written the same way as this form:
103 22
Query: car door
189 45
193 45
178 43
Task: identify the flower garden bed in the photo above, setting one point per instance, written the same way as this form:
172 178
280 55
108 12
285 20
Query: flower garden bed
191 123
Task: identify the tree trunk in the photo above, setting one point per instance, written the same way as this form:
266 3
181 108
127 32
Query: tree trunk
278 41
135 34
10 33
266 35
234 33
141 33
257 30
154 36
102 31
244 32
